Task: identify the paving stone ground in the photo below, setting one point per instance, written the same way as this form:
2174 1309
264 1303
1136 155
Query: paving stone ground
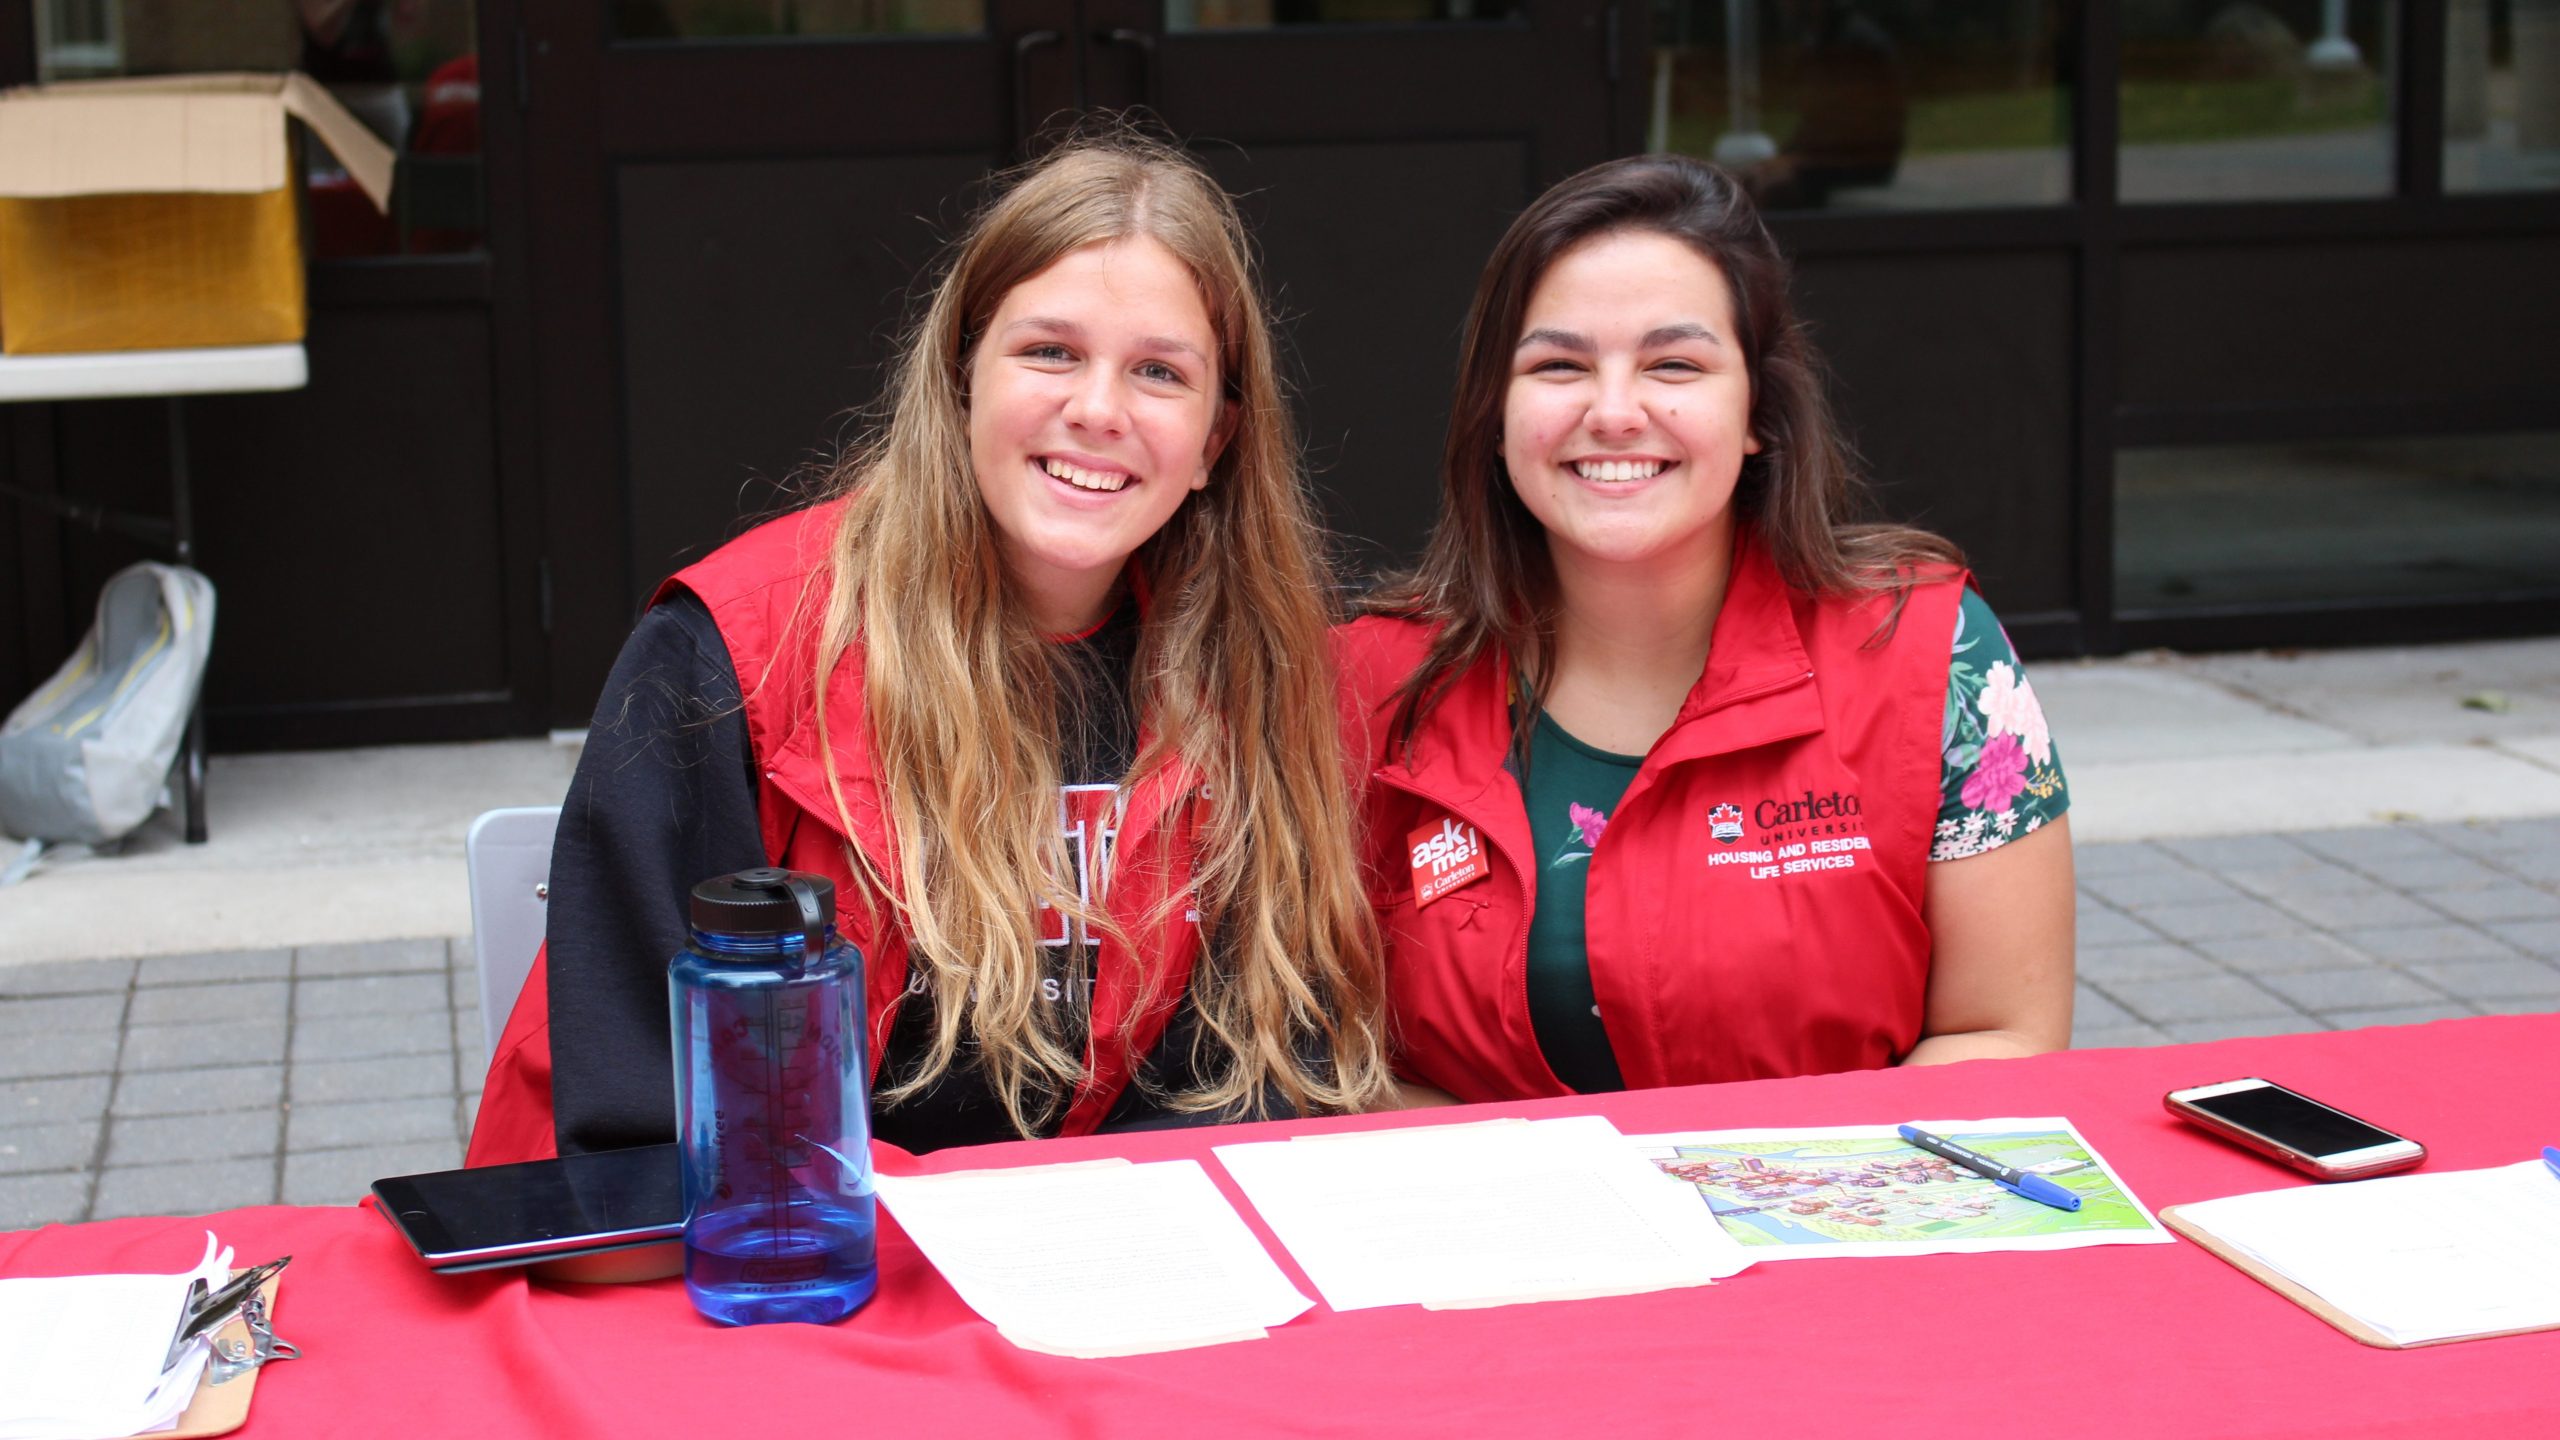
191 1083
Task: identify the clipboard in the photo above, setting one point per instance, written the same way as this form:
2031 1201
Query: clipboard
2346 1324
221 1409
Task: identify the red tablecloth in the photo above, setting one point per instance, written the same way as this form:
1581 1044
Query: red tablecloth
2160 1340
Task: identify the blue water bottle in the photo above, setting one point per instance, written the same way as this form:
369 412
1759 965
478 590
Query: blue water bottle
772 1103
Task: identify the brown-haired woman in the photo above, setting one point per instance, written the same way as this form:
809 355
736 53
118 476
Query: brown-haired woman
1032 688
1678 776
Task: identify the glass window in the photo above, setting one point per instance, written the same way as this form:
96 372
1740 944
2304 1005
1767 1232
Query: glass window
93 39
2269 100
409 70
782 19
1181 15
2501 95
1882 105
79 38
2471 515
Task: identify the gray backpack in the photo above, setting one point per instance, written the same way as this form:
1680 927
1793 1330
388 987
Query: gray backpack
86 758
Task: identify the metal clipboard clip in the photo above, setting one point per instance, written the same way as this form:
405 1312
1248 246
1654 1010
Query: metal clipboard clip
233 1358
209 1309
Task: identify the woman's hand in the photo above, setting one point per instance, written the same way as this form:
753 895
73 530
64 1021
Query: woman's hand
2000 925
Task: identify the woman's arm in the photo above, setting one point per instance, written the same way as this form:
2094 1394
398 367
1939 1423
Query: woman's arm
664 797
2001 930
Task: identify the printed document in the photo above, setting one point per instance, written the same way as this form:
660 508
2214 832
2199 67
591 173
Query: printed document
1096 1259
1841 1191
2417 1257
1482 1214
80 1355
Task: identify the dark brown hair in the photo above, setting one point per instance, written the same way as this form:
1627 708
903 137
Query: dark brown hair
1486 576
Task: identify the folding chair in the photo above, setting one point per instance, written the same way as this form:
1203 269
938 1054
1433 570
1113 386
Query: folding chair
508 854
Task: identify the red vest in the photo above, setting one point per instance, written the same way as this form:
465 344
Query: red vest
767 592
1755 906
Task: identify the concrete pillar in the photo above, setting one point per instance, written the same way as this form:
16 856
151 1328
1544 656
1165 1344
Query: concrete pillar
2333 50
1743 144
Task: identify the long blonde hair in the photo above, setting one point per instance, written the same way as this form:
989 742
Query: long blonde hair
965 700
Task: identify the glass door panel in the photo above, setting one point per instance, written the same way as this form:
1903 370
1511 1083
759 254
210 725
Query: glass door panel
2324 522
2502 95
1824 106
793 19
2287 101
1188 15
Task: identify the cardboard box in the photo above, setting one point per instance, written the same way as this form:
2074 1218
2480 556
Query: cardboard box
141 214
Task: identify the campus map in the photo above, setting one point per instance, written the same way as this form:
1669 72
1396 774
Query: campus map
1862 1190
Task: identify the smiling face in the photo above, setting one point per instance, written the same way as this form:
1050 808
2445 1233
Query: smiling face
1629 408
1093 412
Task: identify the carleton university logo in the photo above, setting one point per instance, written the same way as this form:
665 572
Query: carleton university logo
1725 823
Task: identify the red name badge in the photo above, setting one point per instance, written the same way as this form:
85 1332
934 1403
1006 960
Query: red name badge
1446 855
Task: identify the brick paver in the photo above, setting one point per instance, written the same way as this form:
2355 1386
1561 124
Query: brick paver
202 1082
189 1083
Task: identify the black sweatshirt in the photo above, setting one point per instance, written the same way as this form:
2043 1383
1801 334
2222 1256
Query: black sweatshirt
665 797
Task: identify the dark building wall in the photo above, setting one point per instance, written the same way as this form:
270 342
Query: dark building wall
385 541
354 531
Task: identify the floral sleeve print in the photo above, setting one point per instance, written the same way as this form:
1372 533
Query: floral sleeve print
1999 776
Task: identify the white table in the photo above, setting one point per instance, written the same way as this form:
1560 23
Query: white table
171 375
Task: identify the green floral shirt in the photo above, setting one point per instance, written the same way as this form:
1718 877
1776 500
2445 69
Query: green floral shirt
2000 776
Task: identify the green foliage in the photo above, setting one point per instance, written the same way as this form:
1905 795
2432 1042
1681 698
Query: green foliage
2150 112
2168 111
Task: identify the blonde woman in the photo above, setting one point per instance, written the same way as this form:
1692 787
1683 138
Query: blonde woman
1041 687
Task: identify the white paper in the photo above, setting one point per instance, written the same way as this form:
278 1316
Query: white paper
1096 1259
80 1354
1832 1192
2417 1257
1479 1214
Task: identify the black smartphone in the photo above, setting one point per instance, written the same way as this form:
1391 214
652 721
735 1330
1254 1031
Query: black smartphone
540 1210
2293 1129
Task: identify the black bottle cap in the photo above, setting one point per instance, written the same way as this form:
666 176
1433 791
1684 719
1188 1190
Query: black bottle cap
765 901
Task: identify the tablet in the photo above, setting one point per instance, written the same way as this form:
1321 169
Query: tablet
497 1215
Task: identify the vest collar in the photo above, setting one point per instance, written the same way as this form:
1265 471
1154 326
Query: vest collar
799 766
1758 680
1757 684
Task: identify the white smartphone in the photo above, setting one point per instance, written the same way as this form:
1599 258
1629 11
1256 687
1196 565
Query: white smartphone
2293 1129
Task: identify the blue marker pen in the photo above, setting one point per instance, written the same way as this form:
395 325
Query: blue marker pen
2007 1177
2551 1157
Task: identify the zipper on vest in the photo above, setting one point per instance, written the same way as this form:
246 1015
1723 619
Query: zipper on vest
1765 687
1650 775
1528 909
1652 778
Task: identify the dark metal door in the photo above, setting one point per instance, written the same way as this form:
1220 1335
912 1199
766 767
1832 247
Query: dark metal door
1379 148
728 227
